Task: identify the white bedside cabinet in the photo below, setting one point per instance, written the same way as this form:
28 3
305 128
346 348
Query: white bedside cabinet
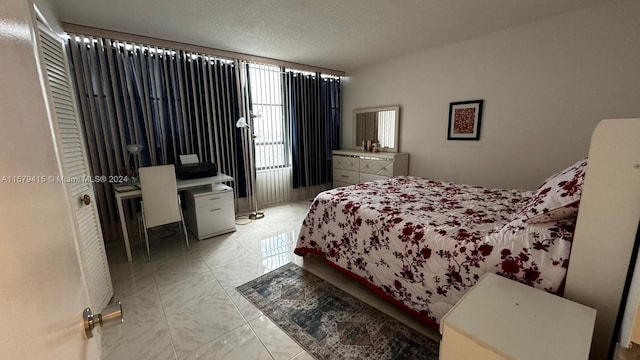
210 211
503 319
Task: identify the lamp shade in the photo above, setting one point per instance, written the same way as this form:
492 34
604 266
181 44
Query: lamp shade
242 123
134 148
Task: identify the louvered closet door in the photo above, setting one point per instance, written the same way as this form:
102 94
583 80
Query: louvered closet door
63 112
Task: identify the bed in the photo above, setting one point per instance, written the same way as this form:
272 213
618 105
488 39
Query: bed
422 243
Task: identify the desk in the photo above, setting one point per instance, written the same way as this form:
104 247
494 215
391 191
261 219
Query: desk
132 194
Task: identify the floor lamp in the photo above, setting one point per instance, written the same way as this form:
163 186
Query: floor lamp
242 124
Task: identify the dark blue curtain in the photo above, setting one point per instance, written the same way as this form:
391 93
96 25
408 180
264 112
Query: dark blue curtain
171 102
312 107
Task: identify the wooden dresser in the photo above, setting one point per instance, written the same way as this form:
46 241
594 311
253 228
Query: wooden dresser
354 166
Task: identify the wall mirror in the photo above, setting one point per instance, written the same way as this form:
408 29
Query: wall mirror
380 124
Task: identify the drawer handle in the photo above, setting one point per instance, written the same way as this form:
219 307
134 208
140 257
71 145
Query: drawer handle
344 176
212 210
214 199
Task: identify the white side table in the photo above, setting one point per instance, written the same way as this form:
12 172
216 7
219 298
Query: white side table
503 319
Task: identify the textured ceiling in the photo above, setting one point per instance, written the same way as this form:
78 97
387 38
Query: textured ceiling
335 34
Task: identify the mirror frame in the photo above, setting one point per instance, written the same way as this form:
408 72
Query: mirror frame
396 134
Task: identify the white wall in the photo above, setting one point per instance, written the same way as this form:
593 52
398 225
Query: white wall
545 86
45 10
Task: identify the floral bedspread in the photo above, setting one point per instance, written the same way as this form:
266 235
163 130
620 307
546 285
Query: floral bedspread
423 243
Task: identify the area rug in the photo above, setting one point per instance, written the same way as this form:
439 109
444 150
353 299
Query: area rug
331 324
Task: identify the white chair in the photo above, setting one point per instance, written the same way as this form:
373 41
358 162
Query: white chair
160 200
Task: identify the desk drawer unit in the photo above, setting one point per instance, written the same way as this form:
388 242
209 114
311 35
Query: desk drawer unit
210 212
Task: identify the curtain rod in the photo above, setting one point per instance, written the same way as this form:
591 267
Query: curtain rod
147 40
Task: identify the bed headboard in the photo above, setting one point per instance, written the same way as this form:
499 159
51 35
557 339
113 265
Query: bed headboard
606 228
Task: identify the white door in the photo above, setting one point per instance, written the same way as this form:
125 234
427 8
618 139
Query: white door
93 258
42 290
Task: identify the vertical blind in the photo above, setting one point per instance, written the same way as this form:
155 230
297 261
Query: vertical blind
295 117
176 102
272 142
385 130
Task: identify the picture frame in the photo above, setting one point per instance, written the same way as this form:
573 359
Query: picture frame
465 118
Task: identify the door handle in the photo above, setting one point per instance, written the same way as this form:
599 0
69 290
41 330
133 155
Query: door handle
86 199
112 314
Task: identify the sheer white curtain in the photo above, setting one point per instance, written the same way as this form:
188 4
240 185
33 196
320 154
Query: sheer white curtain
385 127
272 137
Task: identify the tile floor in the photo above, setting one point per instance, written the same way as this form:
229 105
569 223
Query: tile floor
183 304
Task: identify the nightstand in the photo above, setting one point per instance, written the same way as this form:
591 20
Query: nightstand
503 319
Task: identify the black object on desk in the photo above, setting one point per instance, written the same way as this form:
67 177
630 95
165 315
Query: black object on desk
198 170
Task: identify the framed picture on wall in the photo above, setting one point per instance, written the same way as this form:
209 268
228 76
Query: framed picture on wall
464 120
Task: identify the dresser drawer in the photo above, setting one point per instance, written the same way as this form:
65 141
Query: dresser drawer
381 167
337 184
214 199
346 163
346 176
364 177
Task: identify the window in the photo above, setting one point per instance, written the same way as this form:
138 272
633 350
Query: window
265 82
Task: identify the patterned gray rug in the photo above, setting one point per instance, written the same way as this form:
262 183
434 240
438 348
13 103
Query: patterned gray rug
331 324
